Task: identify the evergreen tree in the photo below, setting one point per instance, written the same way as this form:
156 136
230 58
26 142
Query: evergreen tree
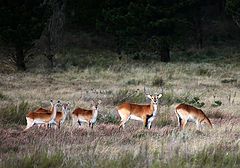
138 24
22 22
233 8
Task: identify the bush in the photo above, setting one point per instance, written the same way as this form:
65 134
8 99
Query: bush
3 97
158 81
228 80
131 96
14 113
108 118
203 72
195 101
167 99
132 82
216 103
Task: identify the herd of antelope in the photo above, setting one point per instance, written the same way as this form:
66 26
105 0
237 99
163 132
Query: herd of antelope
127 111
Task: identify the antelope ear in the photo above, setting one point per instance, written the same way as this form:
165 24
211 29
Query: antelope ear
92 102
149 96
159 96
99 101
68 103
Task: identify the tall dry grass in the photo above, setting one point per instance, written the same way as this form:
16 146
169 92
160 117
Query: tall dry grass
165 145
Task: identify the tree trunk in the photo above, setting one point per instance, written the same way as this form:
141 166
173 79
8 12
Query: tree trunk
20 58
198 28
165 52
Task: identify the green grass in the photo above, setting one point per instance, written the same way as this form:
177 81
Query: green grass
41 159
207 158
14 114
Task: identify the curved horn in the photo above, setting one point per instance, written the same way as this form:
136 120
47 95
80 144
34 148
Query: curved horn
145 91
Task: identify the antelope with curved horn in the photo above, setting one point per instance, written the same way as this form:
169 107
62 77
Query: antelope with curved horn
144 113
187 113
42 117
88 116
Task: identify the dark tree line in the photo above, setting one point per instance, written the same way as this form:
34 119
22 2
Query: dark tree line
137 26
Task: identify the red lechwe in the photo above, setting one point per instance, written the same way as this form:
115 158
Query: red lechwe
144 113
88 116
187 113
43 117
60 116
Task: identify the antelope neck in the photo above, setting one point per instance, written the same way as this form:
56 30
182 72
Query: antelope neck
64 115
95 112
54 113
153 108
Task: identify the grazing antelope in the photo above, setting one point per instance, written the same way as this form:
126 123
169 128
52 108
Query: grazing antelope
89 116
43 117
187 113
144 113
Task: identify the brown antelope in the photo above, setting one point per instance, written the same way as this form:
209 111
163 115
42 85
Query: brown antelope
43 117
88 116
187 113
44 110
61 115
144 113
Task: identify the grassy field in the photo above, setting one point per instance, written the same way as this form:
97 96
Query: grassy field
82 76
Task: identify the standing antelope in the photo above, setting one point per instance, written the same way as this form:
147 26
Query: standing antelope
43 117
89 116
44 110
41 110
144 113
187 113
60 116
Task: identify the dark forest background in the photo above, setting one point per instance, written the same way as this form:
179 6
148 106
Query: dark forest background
145 29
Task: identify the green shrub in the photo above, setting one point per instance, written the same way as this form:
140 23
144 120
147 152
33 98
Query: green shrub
108 118
14 113
228 80
203 72
157 81
195 101
125 95
168 98
132 82
3 97
216 103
